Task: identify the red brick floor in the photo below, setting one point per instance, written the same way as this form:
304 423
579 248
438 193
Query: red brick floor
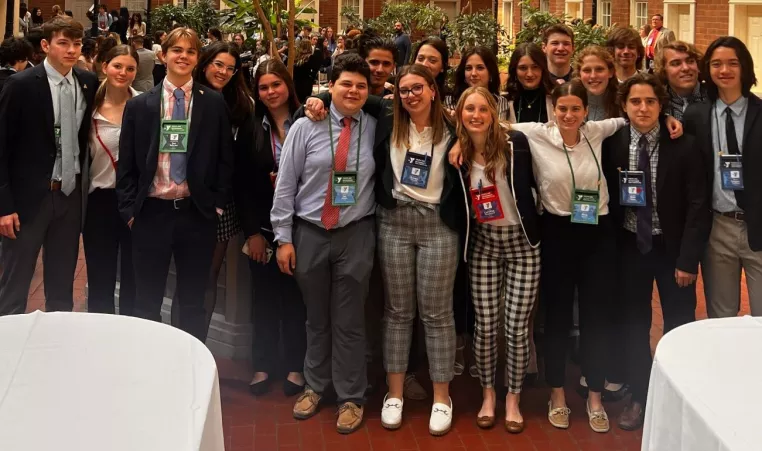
266 424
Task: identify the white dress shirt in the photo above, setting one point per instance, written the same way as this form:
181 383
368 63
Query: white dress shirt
54 80
551 168
420 143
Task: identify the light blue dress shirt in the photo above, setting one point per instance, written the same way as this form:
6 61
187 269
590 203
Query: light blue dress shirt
305 169
278 145
724 200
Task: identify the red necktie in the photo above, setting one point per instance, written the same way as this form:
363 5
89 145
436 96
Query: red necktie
330 216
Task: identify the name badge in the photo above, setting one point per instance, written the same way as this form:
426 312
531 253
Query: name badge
731 171
344 189
487 204
57 137
585 207
632 188
415 171
174 136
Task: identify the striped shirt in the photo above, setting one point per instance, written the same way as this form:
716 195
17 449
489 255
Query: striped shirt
163 187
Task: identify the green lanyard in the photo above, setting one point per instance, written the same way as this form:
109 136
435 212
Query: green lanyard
333 152
568 160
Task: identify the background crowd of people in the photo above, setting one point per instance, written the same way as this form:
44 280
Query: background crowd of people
469 211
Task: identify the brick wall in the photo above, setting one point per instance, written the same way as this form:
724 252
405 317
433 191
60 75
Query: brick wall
711 21
329 14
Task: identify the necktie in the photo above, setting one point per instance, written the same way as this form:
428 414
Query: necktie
732 139
644 238
330 215
68 136
177 160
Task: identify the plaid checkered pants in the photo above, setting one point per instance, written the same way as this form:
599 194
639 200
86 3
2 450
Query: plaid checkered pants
419 257
503 267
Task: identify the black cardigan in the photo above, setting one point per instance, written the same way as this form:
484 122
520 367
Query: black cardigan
521 182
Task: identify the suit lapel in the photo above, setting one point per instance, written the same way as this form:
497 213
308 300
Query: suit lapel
665 154
46 101
153 103
198 102
751 115
623 150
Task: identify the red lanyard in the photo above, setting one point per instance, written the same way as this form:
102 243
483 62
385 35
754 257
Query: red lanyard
275 160
108 152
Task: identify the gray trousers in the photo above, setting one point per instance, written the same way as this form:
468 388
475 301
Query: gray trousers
419 259
55 229
727 253
333 272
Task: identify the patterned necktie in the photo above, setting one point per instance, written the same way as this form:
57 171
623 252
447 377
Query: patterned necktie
644 238
730 134
178 160
68 136
330 215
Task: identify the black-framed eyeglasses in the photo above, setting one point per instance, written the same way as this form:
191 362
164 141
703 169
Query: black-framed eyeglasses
219 65
416 90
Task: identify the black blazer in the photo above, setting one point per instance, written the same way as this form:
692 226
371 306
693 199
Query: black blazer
210 154
681 194
252 188
697 122
27 144
521 182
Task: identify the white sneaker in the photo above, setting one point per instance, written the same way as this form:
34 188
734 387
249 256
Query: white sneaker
391 413
441 419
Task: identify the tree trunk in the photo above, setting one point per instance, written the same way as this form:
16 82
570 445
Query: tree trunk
278 30
291 37
266 25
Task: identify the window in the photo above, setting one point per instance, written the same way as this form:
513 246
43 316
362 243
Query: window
139 6
354 4
604 12
544 5
506 17
641 14
573 9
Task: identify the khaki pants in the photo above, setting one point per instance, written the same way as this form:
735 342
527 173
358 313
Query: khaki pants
726 255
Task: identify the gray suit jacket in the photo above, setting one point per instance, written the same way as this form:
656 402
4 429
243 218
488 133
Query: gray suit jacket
144 78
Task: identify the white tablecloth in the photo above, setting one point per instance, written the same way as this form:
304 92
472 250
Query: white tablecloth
705 392
90 382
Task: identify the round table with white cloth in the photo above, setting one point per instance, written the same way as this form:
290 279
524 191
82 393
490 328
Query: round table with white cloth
92 382
705 393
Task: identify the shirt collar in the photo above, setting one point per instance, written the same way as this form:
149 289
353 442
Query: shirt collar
652 136
266 122
738 107
56 76
338 117
170 88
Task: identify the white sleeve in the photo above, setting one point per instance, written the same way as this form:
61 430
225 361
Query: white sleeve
606 127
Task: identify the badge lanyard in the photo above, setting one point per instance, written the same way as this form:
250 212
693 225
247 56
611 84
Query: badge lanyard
190 105
177 129
731 165
416 170
487 203
584 203
344 183
274 172
108 152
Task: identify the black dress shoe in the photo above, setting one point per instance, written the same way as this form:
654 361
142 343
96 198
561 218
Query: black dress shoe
260 388
291 389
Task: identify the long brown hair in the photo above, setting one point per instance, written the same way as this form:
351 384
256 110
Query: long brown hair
609 95
401 128
119 50
494 155
277 68
236 92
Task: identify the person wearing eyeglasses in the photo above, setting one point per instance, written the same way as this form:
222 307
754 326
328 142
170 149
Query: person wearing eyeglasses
219 69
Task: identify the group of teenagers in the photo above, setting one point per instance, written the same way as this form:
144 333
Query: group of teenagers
581 185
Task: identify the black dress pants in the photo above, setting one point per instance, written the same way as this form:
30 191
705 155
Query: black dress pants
279 317
678 304
581 256
106 235
163 229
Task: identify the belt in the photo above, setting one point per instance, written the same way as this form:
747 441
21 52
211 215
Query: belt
737 215
55 185
176 204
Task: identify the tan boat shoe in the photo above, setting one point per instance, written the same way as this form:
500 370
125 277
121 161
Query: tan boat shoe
559 416
306 404
350 418
599 420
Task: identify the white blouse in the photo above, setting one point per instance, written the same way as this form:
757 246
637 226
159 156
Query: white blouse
102 173
551 168
507 203
421 143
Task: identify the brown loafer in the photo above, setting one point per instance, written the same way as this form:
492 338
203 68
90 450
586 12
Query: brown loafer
306 404
350 418
514 427
631 418
485 422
